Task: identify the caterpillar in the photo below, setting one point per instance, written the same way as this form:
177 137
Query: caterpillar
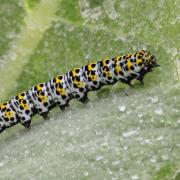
76 83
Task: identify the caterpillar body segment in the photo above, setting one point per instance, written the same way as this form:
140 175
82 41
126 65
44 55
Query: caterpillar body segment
59 91
42 99
8 116
24 108
92 76
76 83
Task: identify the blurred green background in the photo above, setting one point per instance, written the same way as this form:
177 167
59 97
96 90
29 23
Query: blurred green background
43 38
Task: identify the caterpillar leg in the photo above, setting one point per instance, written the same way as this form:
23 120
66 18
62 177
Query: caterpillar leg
44 115
27 124
2 128
84 99
140 79
128 82
62 107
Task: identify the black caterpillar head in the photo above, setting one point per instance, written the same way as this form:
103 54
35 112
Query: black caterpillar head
149 60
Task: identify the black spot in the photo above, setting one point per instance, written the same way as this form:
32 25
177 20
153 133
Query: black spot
27 111
54 80
24 101
38 92
60 86
42 93
77 78
70 73
58 103
86 67
101 63
12 119
45 104
107 68
8 110
93 73
6 119
126 68
140 64
57 92
93 65
16 98
63 96
121 64
131 67
39 99
121 73
41 85
89 79
77 96
109 78
75 85
23 118
77 70
104 74
21 107
115 72
35 88
95 82
3 109
60 77
81 89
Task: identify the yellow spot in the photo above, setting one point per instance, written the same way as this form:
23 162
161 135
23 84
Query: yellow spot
129 64
79 84
118 69
117 58
25 106
59 80
39 88
138 61
74 72
62 91
2 106
93 77
129 55
20 96
104 62
9 114
43 98
90 68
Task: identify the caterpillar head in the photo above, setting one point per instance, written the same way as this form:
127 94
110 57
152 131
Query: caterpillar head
149 60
